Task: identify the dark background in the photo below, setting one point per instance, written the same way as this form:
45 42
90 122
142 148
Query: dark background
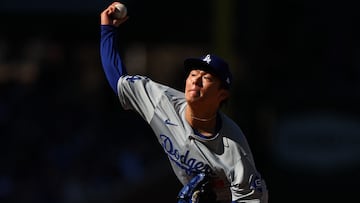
65 139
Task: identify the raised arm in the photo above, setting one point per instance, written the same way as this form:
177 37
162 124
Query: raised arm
109 51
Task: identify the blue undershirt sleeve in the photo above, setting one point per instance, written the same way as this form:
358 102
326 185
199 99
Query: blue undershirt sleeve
110 57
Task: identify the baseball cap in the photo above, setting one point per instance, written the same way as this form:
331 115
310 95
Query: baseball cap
213 64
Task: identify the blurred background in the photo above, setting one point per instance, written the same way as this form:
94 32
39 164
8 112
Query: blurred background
65 139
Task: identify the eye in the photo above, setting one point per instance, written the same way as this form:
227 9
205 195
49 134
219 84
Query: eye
193 73
208 77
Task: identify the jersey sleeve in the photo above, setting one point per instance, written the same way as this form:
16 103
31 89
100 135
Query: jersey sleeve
110 58
246 181
140 94
247 184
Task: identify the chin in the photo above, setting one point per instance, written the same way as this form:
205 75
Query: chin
190 99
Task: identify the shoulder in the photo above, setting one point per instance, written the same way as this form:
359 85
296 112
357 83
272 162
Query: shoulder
133 78
229 125
145 85
232 131
139 82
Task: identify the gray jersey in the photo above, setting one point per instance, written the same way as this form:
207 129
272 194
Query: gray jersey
226 157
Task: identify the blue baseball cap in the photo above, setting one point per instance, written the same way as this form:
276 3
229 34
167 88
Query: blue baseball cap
212 64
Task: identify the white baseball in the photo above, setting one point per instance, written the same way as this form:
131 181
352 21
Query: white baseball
120 11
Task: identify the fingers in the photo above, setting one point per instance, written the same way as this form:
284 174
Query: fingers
106 19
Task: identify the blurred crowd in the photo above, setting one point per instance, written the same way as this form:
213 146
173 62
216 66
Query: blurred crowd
63 136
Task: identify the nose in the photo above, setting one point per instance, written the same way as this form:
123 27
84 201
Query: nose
197 81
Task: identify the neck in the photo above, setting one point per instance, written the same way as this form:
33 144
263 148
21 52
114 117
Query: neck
204 124
203 119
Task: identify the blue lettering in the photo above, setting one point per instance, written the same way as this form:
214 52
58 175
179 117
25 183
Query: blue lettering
190 165
133 78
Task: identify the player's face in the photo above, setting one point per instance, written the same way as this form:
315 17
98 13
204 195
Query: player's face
205 87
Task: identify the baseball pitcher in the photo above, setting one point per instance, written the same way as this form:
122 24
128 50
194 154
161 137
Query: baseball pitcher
207 150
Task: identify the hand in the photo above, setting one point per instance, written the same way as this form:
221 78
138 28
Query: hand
106 18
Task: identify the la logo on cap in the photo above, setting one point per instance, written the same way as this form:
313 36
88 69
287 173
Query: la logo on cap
207 59
228 80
